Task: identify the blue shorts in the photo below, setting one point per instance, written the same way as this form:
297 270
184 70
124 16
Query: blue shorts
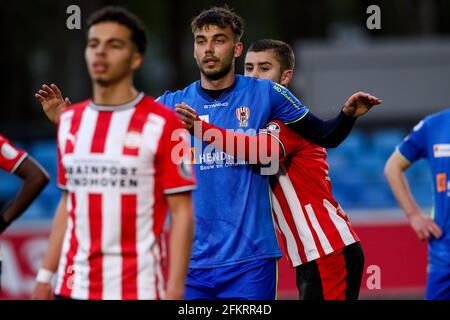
438 285
254 280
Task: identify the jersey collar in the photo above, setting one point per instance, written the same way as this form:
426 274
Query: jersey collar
125 106
224 94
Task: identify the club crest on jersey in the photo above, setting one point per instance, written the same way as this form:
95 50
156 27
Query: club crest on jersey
243 114
133 140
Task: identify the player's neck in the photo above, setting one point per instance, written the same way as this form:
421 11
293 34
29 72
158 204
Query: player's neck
219 84
114 94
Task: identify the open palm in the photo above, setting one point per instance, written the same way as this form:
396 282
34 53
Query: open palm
359 104
52 101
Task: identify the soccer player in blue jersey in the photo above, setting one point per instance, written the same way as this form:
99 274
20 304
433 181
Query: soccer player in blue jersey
235 249
430 139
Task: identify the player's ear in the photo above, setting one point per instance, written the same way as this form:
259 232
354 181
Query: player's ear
137 60
238 49
286 77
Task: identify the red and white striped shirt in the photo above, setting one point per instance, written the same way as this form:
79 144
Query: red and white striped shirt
10 156
311 221
117 167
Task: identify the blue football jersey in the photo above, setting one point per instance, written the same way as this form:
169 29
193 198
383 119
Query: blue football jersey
430 139
232 200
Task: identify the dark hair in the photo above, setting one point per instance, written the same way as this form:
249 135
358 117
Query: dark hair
283 51
124 17
221 17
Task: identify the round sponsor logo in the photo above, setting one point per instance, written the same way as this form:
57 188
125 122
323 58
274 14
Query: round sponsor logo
272 126
133 140
185 169
8 152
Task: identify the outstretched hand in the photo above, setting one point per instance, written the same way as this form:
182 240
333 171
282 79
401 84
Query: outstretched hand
359 104
52 101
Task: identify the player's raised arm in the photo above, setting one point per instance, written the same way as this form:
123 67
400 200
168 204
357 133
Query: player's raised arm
331 133
35 178
52 101
43 289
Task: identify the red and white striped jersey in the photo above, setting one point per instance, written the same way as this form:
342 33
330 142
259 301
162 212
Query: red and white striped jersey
116 164
311 222
10 156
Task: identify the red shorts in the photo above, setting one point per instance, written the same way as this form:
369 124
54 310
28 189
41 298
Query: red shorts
336 276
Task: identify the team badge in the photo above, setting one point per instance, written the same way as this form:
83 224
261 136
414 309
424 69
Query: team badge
243 114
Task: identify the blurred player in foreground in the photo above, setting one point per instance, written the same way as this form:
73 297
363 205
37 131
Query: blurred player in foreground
34 177
318 237
119 178
430 139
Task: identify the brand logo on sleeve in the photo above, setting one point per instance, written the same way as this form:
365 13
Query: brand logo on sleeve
185 169
215 105
243 114
204 118
441 150
272 126
441 182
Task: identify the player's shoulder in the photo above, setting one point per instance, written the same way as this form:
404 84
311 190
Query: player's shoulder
156 107
170 97
160 110
262 84
265 84
438 116
433 121
76 106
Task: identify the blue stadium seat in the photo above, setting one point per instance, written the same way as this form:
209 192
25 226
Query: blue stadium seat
9 185
385 141
352 146
45 153
37 210
357 171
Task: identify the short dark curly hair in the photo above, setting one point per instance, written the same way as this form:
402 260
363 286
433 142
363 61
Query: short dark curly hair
221 17
124 17
283 51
